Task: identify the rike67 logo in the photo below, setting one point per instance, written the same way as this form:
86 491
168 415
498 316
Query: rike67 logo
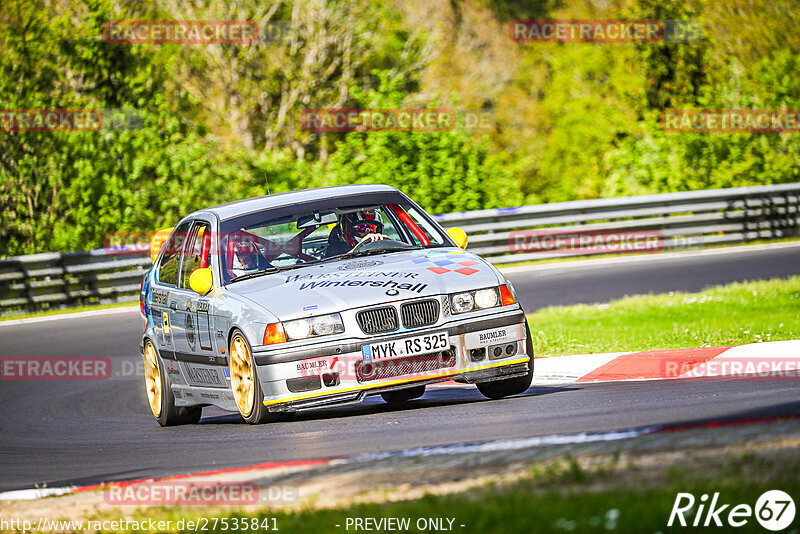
774 510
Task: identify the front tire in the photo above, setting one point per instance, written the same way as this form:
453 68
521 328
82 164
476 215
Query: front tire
401 396
159 393
511 386
244 381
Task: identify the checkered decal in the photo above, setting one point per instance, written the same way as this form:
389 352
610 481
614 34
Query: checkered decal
448 263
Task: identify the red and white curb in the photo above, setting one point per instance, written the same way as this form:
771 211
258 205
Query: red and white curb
773 360
247 471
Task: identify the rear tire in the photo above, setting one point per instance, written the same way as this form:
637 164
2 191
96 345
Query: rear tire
244 382
401 396
159 393
511 386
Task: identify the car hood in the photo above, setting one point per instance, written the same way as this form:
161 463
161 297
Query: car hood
352 283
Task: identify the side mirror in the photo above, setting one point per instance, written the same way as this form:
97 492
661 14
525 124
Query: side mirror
201 281
159 238
459 236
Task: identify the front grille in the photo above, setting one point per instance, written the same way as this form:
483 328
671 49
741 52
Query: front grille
378 320
420 313
410 365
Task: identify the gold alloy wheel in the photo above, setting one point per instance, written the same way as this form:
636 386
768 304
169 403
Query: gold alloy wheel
241 367
152 378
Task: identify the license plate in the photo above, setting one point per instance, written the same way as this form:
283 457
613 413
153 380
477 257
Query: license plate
410 346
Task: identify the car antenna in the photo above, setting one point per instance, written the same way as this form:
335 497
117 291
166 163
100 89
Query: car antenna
266 179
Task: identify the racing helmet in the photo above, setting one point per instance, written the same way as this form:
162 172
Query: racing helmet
360 223
245 256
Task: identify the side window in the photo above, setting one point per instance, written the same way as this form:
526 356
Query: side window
168 268
433 235
389 229
197 252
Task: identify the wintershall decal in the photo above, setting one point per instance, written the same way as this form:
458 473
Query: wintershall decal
576 242
363 283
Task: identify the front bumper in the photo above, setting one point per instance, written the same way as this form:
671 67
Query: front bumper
481 349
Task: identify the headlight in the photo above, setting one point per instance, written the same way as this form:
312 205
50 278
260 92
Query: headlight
299 329
491 297
313 326
486 298
462 302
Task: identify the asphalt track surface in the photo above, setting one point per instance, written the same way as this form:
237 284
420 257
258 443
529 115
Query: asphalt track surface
83 432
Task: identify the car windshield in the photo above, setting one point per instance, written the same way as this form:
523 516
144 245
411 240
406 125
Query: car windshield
272 240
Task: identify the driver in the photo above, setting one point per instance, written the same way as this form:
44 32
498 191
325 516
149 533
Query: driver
245 258
352 230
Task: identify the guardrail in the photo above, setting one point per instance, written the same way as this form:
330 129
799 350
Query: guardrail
54 279
651 222
656 222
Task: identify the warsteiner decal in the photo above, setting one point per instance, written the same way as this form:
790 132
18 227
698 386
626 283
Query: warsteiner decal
360 274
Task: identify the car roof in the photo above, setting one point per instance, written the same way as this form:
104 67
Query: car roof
250 205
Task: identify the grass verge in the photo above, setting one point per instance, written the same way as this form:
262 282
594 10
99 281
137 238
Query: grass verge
734 314
66 311
590 494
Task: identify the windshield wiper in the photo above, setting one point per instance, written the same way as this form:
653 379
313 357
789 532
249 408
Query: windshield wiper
271 270
371 252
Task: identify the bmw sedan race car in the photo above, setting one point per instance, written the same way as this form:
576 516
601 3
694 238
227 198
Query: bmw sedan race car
319 298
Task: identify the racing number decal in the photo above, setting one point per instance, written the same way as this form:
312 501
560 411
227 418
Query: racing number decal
167 336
